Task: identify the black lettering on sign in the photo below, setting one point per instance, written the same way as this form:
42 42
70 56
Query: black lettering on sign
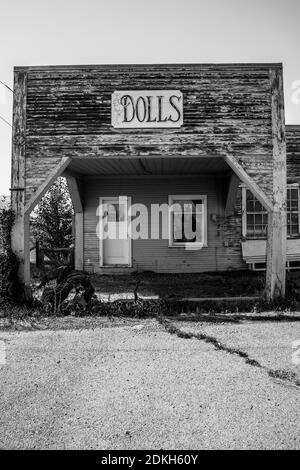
175 106
149 101
125 103
160 104
141 109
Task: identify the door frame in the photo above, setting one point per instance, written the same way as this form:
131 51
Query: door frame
102 265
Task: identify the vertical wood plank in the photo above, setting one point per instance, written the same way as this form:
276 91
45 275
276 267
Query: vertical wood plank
231 195
20 231
277 230
79 241
75 193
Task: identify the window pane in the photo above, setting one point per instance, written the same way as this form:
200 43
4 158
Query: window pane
292 193
293 205
189 204
115 212
257 217
187 220
294 218
250 205
250 219
292 211
258 207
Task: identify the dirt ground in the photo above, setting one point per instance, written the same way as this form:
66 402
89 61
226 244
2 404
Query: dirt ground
136 384
182 285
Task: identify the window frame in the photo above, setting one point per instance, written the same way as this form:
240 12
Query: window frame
187 245
244 212
295 186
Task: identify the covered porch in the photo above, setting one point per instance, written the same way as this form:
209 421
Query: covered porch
148 182
152 180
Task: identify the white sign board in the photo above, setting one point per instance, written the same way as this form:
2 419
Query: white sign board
146 109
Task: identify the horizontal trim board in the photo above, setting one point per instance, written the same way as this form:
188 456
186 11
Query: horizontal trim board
256 65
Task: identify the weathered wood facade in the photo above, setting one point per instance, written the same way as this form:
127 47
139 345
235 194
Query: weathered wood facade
233 131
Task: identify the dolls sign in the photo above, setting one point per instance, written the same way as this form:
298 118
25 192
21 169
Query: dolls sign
147 109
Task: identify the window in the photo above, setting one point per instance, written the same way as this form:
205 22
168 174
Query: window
292 211
188 221
255 216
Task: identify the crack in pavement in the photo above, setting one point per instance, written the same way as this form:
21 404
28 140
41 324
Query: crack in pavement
281 375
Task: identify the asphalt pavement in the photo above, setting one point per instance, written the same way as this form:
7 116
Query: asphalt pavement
132 385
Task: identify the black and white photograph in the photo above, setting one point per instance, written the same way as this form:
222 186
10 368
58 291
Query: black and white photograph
149 228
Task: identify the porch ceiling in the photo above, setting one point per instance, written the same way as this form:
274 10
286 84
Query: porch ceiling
148 166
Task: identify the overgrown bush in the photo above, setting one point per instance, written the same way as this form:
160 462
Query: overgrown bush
9 284
51 222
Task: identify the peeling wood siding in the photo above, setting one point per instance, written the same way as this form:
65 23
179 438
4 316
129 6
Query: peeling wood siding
224 234
66 112
227 110
19 143
37 170
293 151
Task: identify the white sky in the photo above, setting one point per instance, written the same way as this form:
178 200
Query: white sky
39 32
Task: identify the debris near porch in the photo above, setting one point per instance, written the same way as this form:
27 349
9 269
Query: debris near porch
67 280
70 292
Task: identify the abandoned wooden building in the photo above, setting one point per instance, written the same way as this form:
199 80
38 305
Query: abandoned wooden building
151 134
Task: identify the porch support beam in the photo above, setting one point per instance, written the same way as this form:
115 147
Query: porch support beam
249 182
79 241
75 194
231 195
277 225
51 178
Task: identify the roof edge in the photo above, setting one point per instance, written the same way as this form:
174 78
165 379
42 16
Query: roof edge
255 65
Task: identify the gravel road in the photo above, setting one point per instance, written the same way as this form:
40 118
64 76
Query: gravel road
133 385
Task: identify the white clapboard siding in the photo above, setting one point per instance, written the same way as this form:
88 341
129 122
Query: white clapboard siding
223 251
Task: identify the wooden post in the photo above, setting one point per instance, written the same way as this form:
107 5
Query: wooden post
20 230
277 230
74 190
231 194
79 241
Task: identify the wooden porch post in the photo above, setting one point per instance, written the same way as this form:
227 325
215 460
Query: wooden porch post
20 230
78 209
231 194
277 229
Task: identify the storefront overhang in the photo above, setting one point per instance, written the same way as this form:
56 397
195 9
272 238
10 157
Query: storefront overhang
83 167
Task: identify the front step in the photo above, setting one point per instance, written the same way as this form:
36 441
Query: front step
115 270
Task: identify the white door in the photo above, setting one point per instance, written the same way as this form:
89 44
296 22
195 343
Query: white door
115 244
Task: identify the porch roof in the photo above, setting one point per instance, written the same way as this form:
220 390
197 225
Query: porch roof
148 166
